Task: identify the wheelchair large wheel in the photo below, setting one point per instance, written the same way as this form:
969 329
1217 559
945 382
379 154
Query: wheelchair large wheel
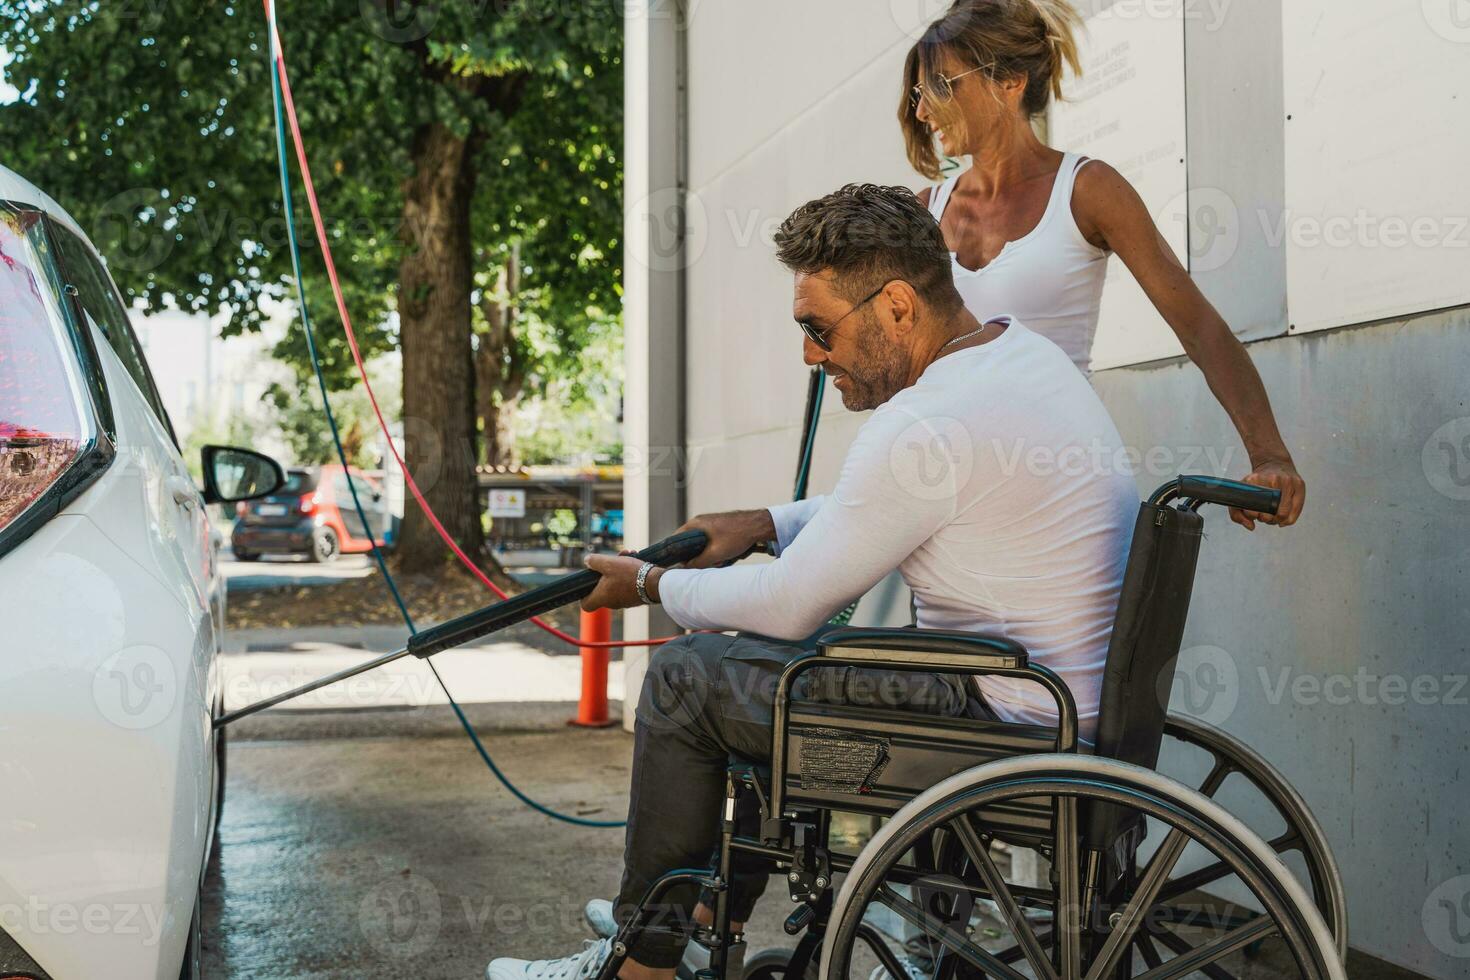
1082 941
1294 831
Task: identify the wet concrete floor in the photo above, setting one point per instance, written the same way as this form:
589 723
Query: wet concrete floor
376 856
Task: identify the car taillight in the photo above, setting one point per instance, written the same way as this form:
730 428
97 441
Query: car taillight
241 509
308 503
43 424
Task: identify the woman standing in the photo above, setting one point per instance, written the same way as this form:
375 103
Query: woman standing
1030 228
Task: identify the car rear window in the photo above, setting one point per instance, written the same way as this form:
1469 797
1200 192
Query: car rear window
298 481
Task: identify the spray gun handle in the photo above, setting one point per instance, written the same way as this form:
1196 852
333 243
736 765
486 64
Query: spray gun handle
471 626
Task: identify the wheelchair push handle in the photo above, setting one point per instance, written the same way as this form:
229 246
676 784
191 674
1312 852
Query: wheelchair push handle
471 626
1217 490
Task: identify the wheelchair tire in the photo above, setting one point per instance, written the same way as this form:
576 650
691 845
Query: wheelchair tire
1303 833
1070 781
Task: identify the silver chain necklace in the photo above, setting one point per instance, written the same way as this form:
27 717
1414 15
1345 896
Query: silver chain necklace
965 336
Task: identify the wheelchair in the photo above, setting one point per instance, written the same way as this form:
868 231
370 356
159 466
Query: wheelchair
1131 851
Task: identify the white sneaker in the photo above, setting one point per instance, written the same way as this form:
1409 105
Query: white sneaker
598 915
915 970
579 966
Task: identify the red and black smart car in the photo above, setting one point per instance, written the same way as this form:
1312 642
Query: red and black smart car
311 515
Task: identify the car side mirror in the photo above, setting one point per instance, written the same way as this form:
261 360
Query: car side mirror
232 474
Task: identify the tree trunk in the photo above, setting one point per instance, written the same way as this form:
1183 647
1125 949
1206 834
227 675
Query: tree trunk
438 375
500 369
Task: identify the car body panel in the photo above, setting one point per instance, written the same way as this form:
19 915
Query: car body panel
106 751
113 611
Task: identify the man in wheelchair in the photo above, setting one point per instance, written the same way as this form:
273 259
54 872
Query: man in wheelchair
974 477
1045 627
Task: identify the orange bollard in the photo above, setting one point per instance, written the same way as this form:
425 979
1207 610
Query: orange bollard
592 708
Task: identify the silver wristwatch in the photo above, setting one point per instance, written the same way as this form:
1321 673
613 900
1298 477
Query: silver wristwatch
640 583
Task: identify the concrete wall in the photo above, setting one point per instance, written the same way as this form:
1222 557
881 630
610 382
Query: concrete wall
1359 611
1338 648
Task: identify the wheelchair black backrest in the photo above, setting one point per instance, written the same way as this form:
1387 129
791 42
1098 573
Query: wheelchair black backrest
1147 631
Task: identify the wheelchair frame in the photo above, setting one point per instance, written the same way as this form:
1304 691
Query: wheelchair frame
907 768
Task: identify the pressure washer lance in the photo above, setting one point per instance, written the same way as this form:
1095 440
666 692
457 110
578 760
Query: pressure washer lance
471 626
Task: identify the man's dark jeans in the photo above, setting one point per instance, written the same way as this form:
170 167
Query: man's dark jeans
708 697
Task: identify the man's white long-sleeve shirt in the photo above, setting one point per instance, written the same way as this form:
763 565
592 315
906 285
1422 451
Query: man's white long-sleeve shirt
997 485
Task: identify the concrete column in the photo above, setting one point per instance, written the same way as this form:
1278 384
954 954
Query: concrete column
653 284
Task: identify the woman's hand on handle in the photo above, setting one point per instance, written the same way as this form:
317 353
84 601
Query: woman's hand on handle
1278 474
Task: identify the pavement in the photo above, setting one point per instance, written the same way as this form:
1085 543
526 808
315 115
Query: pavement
277 571
259 663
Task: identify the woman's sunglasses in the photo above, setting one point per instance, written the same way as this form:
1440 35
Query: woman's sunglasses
943 89
819 336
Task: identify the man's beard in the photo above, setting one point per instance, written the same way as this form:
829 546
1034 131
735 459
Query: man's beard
882 372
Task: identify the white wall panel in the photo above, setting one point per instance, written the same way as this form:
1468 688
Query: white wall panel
1377 220
775 120
1127 109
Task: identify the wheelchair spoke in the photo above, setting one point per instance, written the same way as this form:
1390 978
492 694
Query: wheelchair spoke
951 940
1146 949
995 881
1211 873
1203 958
1068 913
882 951
1216 778
1155 874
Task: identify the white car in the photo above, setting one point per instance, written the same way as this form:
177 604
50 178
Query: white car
111 610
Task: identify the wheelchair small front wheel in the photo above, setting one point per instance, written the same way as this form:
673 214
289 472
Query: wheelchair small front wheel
768 964
1092 935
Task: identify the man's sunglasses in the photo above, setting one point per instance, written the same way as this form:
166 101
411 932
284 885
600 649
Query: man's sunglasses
819 336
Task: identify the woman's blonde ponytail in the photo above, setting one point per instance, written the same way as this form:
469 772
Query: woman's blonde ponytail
1062 23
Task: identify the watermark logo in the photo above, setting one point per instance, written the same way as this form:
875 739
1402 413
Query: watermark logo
1446 459
1362 687
1205 684
1450 19
399 21
1210 14
401 917
1446 917
131 224
40 918
932 458
136 687
670 230
1211 223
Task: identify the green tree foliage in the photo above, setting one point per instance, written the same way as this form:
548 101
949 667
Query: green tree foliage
483 126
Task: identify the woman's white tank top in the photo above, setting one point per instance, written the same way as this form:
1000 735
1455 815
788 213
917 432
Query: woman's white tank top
1050 279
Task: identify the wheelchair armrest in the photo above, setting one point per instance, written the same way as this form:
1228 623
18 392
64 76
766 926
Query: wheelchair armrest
925 649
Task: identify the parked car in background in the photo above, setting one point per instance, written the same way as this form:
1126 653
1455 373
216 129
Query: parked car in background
312 515
113 610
